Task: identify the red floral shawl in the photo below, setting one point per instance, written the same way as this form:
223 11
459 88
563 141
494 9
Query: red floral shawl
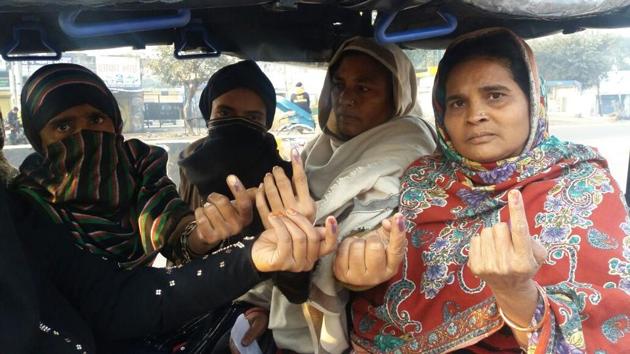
575 208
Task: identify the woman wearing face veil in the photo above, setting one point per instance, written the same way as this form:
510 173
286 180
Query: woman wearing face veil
113 195
238 104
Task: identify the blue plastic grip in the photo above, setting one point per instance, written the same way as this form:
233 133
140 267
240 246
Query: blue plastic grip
55 54
415 34
67 22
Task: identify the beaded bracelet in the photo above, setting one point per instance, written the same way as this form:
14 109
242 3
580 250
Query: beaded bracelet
535 327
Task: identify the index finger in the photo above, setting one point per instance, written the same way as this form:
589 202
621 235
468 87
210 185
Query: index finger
518 223
300 182
242 201
396 247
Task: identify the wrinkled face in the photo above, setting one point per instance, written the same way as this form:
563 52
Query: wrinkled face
72 121
361 95
240 102
487 114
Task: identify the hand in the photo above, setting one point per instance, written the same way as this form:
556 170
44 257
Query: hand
282 193
258 320
293 244
221 218
374 258
507 260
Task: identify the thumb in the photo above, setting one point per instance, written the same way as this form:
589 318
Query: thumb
539 251
242 200
396 247
331 232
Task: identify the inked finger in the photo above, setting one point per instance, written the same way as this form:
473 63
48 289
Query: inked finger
396 245
519 227
300 182
330 237
243 202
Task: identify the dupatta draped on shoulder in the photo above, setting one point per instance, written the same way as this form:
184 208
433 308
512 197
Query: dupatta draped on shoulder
574 208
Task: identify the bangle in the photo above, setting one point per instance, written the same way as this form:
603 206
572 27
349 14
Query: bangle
183 240
535 327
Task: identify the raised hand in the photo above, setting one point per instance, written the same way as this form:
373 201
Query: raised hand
277 193
220 218
373 258
507 257
293 244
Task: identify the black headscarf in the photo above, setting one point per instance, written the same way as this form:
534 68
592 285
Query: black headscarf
55 88
244 74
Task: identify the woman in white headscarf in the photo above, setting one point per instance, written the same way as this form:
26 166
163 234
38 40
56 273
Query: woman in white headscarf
372 131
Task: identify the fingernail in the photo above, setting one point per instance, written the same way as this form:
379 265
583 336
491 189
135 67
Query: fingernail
295 155
333 225
401 223
276 169
206 205
260 186
291 211
267 174
238 186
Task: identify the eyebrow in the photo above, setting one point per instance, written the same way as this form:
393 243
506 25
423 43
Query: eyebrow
223 106
488 88
360 79
495 88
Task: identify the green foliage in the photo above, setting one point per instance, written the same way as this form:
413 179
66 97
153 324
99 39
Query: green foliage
585 57
189 73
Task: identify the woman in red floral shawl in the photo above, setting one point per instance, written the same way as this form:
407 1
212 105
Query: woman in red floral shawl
516 240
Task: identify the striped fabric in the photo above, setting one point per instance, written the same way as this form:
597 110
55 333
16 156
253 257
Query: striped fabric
118 203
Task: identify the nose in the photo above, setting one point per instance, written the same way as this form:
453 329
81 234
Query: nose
346 98
477 114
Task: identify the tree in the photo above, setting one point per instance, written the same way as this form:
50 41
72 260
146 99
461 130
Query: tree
583 57
189 73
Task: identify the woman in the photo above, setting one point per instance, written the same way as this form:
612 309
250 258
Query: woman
482 215
372 131
57 298
113 195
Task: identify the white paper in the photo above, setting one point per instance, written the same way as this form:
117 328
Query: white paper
238 332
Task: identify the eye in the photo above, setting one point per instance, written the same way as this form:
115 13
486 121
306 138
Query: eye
62 127
456 104
494 96
363 88
337 85
97 119
223 113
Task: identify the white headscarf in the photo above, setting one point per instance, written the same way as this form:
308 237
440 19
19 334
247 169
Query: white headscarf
357 181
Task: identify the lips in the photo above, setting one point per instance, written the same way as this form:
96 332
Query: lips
480 138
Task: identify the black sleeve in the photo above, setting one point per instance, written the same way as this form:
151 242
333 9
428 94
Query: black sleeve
120 304
295 286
